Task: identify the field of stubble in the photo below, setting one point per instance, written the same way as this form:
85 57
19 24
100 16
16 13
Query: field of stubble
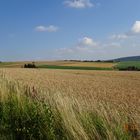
90 104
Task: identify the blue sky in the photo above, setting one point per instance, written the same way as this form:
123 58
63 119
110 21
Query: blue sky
69 29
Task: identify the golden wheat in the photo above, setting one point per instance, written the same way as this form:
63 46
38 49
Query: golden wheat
113 95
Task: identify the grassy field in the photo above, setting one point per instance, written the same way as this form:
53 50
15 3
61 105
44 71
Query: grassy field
69 104
12 64
62 65
83 64
74 67
125 65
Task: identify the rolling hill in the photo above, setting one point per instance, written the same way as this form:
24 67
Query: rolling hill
130 58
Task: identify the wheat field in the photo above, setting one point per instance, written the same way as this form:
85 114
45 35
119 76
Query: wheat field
59 63
89 64
89 104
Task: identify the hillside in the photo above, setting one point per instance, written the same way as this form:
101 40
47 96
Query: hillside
130 58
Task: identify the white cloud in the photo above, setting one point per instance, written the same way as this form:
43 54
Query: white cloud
79 3
133 32
65 50
136 27
119 36
88 48
112 45
87 42
40 28
86 45
50 28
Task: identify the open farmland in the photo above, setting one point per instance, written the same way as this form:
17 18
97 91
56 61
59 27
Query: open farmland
63 65
125 65
82 64
81 104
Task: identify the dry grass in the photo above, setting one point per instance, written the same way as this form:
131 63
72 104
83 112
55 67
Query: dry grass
90 64
112 95
61 63
115 87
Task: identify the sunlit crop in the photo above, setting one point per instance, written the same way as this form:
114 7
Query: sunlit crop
71 105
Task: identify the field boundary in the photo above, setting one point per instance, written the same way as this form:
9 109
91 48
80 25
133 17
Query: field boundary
73 67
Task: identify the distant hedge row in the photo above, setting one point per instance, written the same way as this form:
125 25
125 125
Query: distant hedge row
130 68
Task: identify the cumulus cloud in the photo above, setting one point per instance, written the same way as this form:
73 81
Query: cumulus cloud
87 41
136 27
50 28
40 28
119 36
133 32
112 45
105 49
79 3
85 45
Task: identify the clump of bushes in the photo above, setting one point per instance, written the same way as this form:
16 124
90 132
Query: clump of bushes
32 65
130 68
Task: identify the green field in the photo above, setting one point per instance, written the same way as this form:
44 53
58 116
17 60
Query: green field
125 65
73 67
62 65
